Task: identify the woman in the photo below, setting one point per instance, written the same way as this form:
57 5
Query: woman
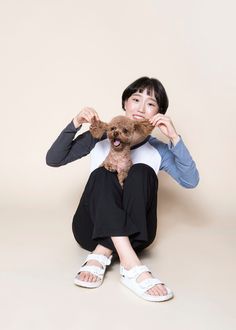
111 221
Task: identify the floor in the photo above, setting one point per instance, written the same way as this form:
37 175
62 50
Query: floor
40 258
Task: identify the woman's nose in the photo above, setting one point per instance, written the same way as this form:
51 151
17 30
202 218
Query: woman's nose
141 108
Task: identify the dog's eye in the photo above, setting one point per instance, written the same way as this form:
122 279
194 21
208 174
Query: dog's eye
112 128
125 130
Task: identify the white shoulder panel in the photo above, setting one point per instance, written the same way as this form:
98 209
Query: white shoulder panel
147 154
99 153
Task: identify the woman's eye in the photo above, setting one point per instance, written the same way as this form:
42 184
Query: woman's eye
135 100
153 105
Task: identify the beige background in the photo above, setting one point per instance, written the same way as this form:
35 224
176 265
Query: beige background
59 56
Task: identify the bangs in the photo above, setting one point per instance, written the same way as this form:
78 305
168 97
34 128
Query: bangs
146 84
150 90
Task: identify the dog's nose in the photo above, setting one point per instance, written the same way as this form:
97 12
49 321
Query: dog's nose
115 133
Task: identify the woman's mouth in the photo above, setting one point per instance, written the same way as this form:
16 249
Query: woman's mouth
138 117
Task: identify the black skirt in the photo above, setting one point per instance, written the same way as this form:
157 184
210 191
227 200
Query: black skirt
105 209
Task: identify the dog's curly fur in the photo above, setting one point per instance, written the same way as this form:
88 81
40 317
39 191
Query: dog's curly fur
120 132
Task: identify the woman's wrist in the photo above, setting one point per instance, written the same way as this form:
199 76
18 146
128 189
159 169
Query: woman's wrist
76 123
174 140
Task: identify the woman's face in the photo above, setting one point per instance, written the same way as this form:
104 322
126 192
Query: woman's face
141 105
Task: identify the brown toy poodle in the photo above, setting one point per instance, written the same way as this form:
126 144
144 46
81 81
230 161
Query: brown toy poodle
120 132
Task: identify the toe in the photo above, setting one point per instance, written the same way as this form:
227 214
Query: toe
81 276
86 278
90 277
161 290
94 279
151 292
156 291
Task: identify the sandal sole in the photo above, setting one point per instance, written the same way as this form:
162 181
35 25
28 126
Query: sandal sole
88 285
145 296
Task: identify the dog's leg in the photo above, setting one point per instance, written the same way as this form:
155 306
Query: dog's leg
109 166
121 177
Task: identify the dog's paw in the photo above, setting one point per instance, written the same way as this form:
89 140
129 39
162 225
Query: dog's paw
110 167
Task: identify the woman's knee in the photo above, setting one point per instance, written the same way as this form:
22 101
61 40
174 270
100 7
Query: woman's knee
101 176
142 170
142 174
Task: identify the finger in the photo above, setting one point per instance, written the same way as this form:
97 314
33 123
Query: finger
87 109
93 120
87 112
86 117
159 121
92 113
97 117
163 119
92 117
156 117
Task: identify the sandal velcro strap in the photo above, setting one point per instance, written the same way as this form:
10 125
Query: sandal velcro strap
97 271
104 261
134 272
149 283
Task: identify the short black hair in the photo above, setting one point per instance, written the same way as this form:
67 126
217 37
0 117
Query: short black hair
151 84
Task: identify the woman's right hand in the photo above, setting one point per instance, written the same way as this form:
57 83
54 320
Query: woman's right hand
85 116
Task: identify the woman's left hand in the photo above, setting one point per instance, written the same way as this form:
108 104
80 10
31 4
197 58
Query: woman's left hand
166 126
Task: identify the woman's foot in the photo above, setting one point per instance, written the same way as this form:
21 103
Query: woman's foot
87 276
129 259
157 290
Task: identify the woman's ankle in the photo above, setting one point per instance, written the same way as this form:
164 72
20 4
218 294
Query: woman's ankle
100 249
128 264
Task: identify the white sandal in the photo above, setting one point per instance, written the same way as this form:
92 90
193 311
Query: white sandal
95 270
128 278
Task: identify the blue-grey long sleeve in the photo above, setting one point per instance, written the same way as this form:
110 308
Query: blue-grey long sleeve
177 162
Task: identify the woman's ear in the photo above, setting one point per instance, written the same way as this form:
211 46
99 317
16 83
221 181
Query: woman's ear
98 128
125 103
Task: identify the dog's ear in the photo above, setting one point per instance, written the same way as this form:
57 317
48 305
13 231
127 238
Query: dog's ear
97 128
143 127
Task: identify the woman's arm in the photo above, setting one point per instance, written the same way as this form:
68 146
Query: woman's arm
65 150
178 162
176 159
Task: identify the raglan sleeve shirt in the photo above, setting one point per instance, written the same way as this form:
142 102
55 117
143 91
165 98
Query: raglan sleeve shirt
175 160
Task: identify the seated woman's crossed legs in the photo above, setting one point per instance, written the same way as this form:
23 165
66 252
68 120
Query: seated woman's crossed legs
138 200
